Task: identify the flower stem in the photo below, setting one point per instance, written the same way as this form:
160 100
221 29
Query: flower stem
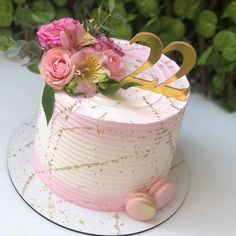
105 19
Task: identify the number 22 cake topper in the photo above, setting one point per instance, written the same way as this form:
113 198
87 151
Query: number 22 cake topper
156 50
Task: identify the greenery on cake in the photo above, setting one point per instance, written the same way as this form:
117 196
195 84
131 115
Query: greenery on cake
208 25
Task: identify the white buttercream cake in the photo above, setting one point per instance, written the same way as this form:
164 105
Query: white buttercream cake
96 152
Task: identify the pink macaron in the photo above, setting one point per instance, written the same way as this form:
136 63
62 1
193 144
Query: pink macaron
162 191
140 206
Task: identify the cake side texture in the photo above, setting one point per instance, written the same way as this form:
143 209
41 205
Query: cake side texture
95 152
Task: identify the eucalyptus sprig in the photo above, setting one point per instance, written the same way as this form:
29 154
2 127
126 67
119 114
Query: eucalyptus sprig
24 49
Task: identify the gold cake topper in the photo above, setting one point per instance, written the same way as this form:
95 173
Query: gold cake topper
156 50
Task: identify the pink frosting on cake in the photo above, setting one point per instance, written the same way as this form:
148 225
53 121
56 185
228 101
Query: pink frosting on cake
75 195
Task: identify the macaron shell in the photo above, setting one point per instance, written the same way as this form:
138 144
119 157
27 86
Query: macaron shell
138 194
156 185
164 194
141 208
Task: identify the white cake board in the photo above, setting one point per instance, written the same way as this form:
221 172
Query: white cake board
70 216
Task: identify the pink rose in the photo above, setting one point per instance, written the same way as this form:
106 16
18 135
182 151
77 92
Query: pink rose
65 32
113 62
56 68
104 43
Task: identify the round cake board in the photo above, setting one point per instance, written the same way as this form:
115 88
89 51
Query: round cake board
70 216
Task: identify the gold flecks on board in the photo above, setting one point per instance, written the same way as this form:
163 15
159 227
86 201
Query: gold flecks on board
50 205
81 222
29 144
117 223
27 183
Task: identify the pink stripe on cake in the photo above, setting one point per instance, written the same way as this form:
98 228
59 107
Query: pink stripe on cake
75 195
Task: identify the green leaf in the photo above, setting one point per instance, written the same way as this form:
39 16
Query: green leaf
62 12
202 60
148 8
188 8
226 67
103 78
36 49
60 3
107 29
118 8
233 29
42 17
214 59
218 83
223 38
43 12
223 103
113 88
23 49
12 52
230 12
23 17
6 42
103 85
177 29
166 38
153 25
121 30
131 16
6 11
225 42
71 85
119 17
19 1
34 68
174 28
5 31
99 13
129 85
206 23
48 100
111 5
75 94
82 8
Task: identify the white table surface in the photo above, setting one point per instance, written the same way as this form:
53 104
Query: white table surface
207 140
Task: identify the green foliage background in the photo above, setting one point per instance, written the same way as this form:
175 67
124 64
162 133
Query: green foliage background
210 26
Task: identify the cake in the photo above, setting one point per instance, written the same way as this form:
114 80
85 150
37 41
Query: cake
106 153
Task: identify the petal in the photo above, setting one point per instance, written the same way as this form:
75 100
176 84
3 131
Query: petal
87 88
64 40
